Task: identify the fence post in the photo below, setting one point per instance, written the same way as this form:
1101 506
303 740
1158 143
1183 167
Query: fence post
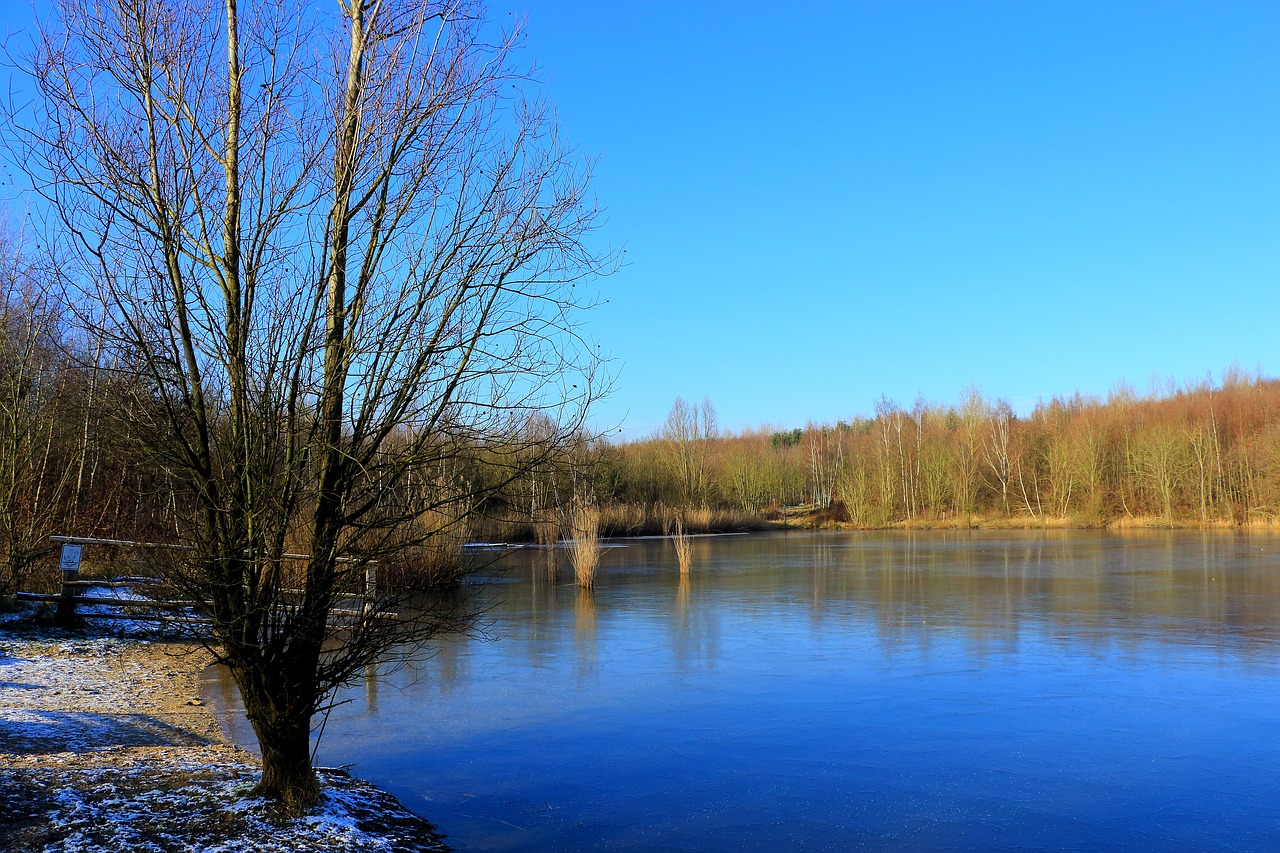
70 565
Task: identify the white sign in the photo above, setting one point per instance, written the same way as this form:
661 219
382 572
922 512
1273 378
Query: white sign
70 558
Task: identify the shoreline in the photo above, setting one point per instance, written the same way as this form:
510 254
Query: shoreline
106 745
624 520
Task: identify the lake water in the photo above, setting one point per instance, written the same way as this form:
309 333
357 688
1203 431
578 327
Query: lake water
848 691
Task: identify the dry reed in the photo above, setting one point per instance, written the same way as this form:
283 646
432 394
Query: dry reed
584 548
684 548
434 563
655 519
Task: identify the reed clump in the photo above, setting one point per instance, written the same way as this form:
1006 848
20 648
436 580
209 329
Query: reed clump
654 519
1140 522
434 561
584 548
684 547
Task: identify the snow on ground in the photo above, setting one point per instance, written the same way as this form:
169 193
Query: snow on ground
106 746
204 806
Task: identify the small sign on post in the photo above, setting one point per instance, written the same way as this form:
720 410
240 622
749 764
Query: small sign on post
70 565
71 558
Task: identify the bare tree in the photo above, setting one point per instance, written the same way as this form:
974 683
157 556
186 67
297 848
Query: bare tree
748 478
888 468
1161 456
968 455
855 489
1088 454
1059 472
996 448
826 463
36 468
339 248
1207 452
689 430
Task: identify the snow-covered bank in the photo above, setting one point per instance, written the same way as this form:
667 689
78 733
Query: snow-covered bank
106 746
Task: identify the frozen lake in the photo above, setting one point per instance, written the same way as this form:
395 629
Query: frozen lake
844 691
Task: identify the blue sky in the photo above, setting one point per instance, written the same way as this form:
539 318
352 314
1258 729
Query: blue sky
821 203
824 202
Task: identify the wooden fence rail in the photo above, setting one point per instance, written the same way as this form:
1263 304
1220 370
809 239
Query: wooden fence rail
70 594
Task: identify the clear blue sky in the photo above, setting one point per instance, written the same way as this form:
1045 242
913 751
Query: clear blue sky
824 202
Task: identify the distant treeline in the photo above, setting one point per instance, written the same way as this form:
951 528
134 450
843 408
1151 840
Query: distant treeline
1206 454
77 416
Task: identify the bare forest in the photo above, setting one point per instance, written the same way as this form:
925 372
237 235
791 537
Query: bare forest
1202 455
1205 454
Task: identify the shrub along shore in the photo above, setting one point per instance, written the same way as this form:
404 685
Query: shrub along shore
624 520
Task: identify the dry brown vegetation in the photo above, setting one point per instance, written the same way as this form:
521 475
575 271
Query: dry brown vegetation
656 519
584 548
1206 454
684 548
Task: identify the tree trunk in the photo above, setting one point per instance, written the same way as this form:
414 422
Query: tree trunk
284 737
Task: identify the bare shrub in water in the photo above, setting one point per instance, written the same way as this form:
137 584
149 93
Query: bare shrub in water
684 548
584 549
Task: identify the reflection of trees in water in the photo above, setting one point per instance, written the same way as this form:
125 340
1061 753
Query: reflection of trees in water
445 669
989 592
1096 589
451 665
535 626
823 566
371 690
703 550
1214 601
695 634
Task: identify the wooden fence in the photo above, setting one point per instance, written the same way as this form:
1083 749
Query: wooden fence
71 594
